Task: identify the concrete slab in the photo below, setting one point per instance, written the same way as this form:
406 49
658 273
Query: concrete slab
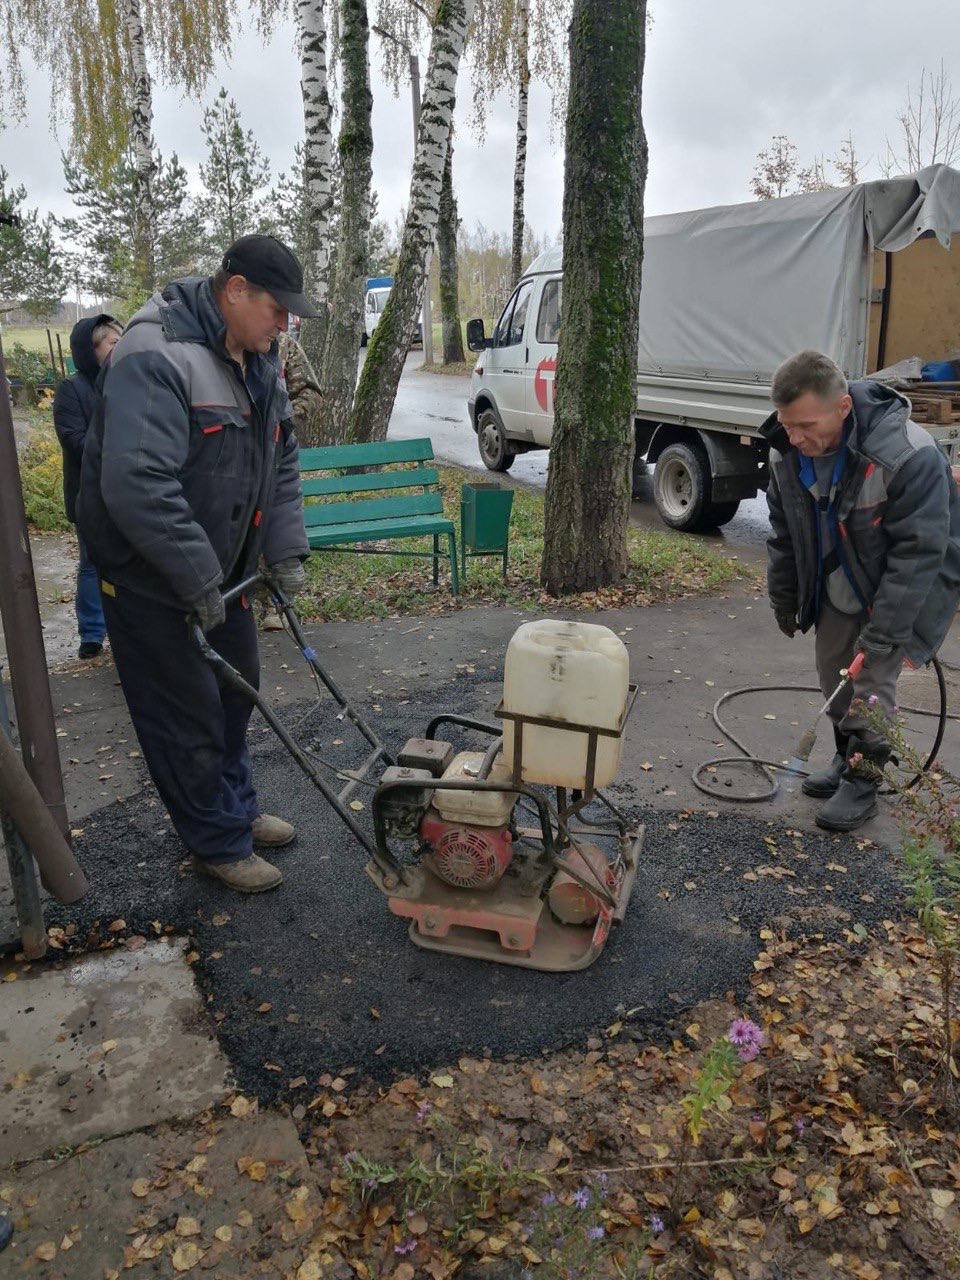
127 1206
113 1042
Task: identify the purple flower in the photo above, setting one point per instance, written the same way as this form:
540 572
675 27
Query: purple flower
656 1223
747 1037
596 1233
549 1200
581 1198
799 1124
872 700
408 1246
423 1111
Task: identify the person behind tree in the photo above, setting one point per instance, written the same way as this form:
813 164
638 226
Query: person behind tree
91 342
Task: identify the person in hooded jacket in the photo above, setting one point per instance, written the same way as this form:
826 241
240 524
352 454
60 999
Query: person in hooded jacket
190 480
91 342
864 548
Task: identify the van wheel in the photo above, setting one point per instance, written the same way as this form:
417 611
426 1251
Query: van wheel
494 449
681 487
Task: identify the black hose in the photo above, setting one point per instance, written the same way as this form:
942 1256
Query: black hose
767 767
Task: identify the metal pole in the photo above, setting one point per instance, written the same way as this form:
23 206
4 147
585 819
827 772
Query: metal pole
53 362
23 874
20 618
63 367
426 315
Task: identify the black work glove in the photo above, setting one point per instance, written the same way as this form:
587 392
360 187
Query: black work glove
290 576
209 610
786 621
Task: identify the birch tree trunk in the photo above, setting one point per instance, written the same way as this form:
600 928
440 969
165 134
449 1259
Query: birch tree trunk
141 143
520 160
318 161
391 339
447 227
341 352
588 482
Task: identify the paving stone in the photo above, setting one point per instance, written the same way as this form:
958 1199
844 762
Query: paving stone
112 1042
124 1208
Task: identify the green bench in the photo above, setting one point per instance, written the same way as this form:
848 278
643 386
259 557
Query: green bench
409 503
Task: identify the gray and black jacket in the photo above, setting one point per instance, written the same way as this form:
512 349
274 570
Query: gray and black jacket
898 513
190 473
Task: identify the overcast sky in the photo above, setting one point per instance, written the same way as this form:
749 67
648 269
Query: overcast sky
721 79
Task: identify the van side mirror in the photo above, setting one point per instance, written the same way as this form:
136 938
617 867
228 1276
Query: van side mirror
476 339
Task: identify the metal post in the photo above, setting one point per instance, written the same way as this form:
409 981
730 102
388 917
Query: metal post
20 617
53 362
63 365
426 315
23 873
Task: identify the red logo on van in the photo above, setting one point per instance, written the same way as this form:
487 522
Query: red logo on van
543 383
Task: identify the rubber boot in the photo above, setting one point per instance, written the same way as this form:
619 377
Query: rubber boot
824 784
855 800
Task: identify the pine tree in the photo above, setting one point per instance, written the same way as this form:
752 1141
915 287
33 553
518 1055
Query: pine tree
589 477
234 175
31 268
102 228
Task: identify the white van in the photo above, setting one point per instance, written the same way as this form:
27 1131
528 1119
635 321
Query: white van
373 310
863 273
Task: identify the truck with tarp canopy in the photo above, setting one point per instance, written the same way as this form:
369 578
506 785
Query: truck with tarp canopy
863 273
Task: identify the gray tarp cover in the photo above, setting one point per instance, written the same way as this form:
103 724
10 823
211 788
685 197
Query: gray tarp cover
727 291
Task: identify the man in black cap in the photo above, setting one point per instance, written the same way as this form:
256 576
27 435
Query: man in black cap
190 479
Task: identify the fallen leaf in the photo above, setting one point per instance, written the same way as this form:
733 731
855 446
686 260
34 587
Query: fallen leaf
108 1046
187 1226
442 1082
241 1107
45 1252
941 1197
186 1256
140 1187
224 1233
417 1225
221 918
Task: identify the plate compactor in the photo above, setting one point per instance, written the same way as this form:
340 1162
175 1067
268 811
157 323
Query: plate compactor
477 846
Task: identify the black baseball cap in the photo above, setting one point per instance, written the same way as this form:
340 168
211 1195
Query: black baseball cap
267 262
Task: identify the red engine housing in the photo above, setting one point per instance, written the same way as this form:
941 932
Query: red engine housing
467 857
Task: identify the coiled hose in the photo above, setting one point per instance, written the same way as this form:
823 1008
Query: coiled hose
769 767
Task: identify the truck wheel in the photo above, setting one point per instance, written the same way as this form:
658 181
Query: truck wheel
494 449
681 487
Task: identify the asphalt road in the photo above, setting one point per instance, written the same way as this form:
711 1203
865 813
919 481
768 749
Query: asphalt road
435 404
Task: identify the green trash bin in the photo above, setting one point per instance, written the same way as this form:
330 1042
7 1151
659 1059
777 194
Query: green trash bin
484 522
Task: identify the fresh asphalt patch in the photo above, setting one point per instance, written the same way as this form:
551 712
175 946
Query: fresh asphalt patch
319 977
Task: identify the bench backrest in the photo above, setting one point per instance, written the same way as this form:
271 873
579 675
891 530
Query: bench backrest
345 458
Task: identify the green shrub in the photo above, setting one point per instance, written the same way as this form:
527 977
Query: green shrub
29 366
41 474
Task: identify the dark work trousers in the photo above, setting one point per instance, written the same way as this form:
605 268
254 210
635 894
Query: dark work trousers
193 733
836 645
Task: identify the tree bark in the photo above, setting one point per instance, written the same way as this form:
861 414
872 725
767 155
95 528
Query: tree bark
141 142
447 227
341 352
588 483
318 162
391 339
520 161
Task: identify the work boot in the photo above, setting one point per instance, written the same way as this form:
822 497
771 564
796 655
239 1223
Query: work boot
272 833
824 784
90 649
252 874
855 799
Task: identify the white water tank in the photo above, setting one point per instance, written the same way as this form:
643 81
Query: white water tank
577 672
